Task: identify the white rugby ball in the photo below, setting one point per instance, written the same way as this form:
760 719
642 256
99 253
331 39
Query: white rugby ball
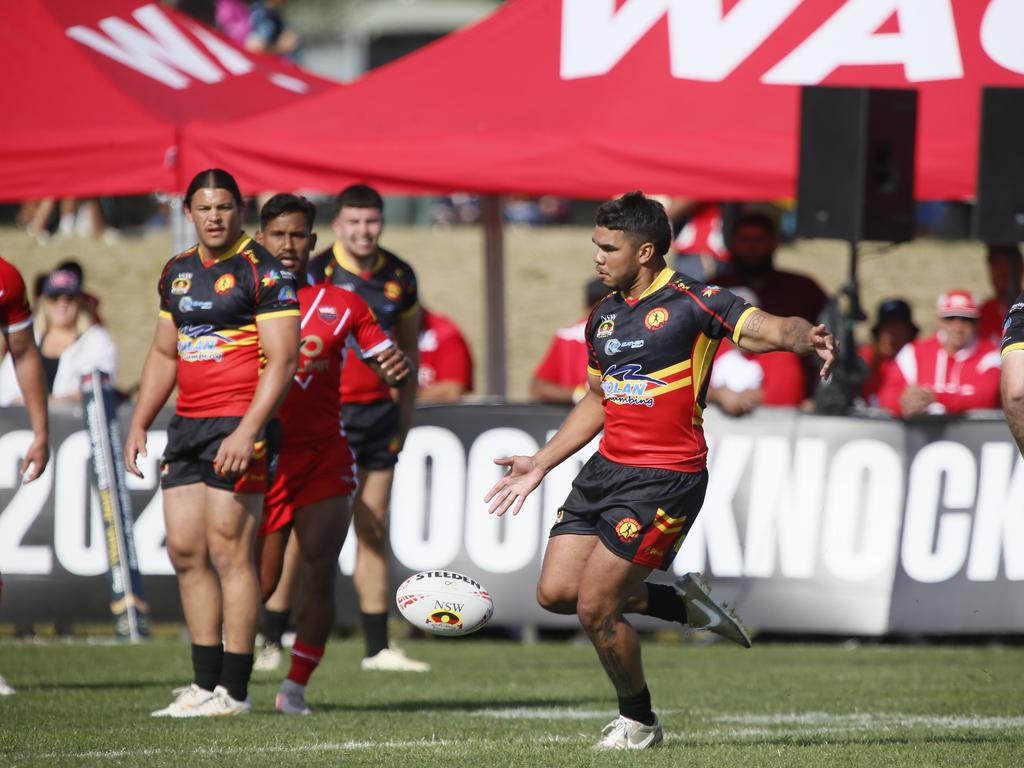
444 603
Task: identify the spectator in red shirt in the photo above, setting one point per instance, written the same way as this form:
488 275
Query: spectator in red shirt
893 328
1004 270
952 372
446 366
561 376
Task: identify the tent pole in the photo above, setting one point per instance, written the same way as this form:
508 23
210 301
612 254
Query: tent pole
492 210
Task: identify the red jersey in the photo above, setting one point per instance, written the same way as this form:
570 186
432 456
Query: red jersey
15 313
216 306
877 371
565 362
444 354
390 290
654 356
990 321
333 320
961 382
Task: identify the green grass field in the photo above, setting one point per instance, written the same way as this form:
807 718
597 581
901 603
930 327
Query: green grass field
498 703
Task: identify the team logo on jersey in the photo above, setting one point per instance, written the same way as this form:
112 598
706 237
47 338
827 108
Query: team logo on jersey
656 318
627 530
327 314
181 283
224 284
614 346
287 294
188 304
392 290
607 327
710 290
269 280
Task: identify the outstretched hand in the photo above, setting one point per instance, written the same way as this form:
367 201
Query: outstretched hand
825 346
511 491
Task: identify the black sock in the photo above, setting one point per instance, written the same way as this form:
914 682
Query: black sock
207 661
274 625
664 603
235 675
375 632
637 707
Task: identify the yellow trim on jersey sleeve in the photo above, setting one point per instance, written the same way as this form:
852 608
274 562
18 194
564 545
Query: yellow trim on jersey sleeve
740 323
1012 348
593 371
279 313
165 314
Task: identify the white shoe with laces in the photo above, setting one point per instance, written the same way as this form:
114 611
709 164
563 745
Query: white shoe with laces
624 733
220 704
5 689
393 660
702 612
186 700
291 699
268 658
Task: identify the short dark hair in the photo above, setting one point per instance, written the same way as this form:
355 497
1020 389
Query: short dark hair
285 203
641 218
756 219
213 178
358 196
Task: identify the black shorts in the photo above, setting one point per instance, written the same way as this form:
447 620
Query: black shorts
642 514
192 446
372 430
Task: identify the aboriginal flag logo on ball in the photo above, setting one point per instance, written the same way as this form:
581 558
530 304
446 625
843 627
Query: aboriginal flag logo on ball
445 618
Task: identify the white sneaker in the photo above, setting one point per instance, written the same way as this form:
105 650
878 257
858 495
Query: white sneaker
220 704
5 689
623 733
393 660
268 658
702 612
291 699
185 701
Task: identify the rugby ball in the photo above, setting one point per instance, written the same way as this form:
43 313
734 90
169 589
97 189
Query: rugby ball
444 603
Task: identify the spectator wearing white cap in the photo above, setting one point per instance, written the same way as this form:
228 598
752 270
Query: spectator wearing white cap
954 371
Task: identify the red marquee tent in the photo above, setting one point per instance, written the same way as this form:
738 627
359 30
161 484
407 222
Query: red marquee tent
95 94
592 97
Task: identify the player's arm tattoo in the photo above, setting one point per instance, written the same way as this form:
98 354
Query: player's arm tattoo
755 322
796 335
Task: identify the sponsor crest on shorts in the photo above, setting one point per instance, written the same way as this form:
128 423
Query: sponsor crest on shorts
656 318
627 530
392 290
224 284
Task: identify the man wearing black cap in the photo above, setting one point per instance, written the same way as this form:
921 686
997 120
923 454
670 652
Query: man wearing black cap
893 328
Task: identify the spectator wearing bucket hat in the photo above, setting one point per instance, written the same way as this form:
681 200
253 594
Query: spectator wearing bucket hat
893 329
954 371
70 341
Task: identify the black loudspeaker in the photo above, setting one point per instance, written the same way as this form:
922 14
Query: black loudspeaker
999 215
856 178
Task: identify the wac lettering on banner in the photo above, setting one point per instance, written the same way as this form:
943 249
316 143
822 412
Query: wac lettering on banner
811 524
706 45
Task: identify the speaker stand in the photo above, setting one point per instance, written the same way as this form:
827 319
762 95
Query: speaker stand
838 394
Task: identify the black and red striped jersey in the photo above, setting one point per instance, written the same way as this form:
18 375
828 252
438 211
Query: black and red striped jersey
390 290
653 356
216 306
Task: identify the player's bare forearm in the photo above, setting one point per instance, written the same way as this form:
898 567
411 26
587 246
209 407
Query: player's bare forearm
28 369
407 333
584 421
763 332
1011 388
159 375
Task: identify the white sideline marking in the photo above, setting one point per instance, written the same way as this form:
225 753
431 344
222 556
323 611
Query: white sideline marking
340 746
861 720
